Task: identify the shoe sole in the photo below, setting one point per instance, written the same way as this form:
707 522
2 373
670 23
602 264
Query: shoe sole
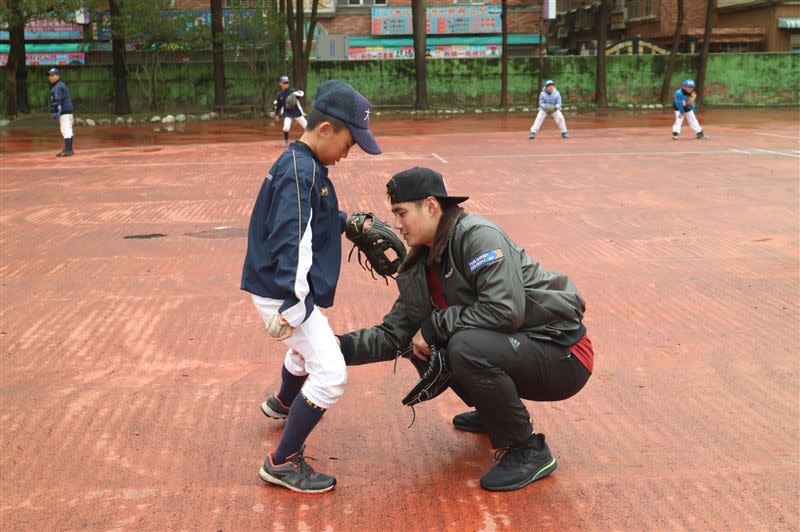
264 475
541 473
267 411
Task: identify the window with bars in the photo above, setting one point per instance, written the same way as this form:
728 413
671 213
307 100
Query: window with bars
244 3
360 2
642 9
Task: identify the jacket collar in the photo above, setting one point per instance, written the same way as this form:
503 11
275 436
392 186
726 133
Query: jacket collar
444 231
300 145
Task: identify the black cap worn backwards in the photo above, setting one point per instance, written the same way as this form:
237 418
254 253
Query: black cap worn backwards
338 99
419 183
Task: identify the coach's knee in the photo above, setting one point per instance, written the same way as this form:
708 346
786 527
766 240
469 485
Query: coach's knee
463 356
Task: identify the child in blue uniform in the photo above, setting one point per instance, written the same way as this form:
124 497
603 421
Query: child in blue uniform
288 110
684 106
549 103
291 270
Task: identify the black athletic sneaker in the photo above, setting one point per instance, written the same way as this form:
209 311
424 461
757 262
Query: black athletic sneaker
519 466
674 136
273 408
296 475
701 135
470 422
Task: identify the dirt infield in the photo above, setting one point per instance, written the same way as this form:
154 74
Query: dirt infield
132 368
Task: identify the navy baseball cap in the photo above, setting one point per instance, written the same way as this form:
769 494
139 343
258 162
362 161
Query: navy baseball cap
338 99
418 183
284 79
53 71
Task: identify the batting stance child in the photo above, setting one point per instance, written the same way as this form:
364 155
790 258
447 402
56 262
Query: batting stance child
61 109
512 329
291 270
288 107
549 104
684 105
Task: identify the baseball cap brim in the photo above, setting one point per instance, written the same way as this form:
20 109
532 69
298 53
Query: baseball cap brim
365 140
455 199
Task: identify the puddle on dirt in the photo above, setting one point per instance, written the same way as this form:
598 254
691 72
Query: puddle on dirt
145 236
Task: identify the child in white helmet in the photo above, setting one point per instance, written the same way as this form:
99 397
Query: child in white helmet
549 104
684 105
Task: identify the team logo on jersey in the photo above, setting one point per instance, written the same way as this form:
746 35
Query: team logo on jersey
487 257
269 177
324 192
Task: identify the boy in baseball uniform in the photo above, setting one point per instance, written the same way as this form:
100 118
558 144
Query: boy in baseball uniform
61 109
287 107
549 104
684 105
291 270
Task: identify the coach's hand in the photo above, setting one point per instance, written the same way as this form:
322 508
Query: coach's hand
420 347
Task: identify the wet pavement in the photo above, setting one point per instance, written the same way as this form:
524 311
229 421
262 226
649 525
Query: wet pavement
40 133
132 368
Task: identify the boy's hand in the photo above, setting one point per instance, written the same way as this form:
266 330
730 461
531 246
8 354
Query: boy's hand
279 328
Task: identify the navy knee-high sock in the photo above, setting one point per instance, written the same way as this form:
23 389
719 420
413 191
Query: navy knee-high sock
303 417
290 386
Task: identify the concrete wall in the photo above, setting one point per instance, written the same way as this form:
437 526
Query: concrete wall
733 79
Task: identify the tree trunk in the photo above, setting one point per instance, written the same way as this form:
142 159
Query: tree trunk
312 26
12 64
504 57
541 53
602 41
673 56
122 105
295 19
218 52
16 69
420 29
701 75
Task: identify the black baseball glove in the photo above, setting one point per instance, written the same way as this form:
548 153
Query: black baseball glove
374 244
435 377
549 108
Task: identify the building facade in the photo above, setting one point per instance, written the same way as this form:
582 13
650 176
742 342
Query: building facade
381 29
738 25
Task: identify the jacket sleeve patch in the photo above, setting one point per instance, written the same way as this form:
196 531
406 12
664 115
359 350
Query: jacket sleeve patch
487 257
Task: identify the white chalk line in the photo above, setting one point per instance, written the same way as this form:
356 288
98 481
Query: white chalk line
439 157
776 135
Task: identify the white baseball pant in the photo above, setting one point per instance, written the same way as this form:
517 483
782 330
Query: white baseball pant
65 123
287 121
690 117
557 116
313 351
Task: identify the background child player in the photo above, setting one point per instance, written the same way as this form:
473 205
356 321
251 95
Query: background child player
287 106
684 105
291 269
61 109
549 104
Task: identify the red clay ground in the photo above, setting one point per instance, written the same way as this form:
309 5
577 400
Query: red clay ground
132 370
